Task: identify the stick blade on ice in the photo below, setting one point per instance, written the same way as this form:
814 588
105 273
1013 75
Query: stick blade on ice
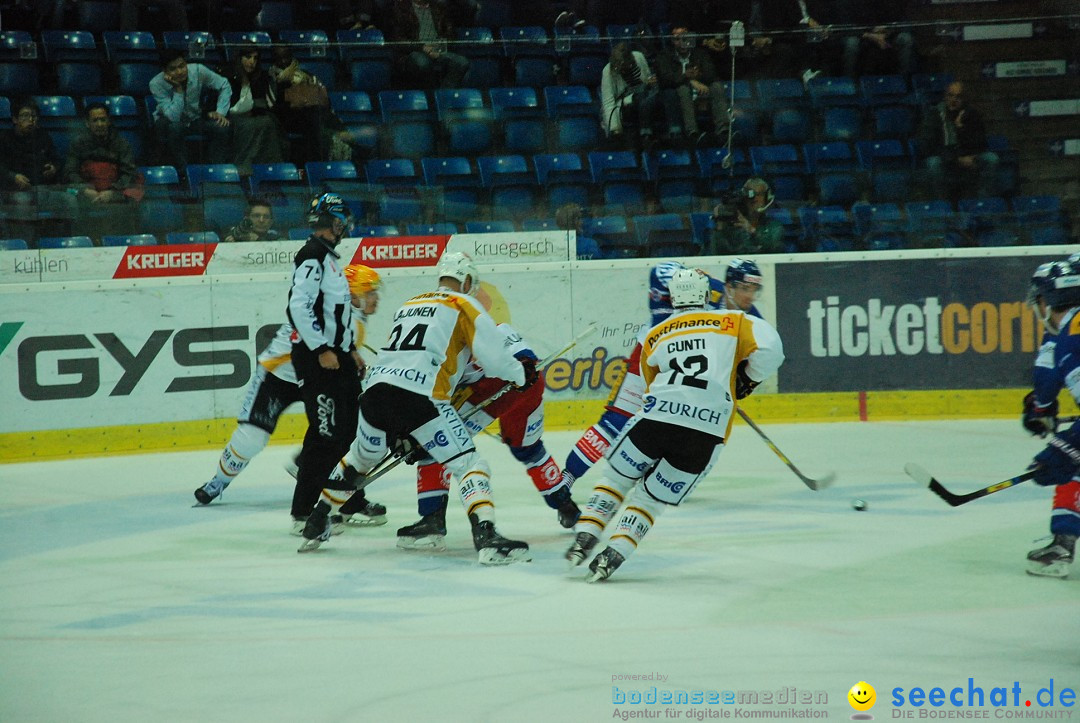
918 474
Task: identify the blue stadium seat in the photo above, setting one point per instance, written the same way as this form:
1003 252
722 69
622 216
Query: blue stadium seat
827 228
65 242
466 120
930 223
301 233
444 228
13 244
536 72
199 45
620 33
884 90
721 172
5 112
791 125
564 178
528 40
565 101
781 159
331 176
930 87
213 179
614 166
122 110
142 239
134 78
746 128
78 78
893 121
877 217
372 75
511 184
404 105
377 231
789 222
19 78
69 45
826 91
356 111
830 156
401 202
124 46
56 112
485 57
271 177
17 45
97 17
986 213
674 175
997 237
613 235
837 188
324 71
887 153
397 172
362 44
841 124
782 93
490 227
744 93
1037 209
165 177
512 102
533 224
233 40
159 214
307 44
645 225
192 237
223 212
457 183
460 103
1047 236
586 69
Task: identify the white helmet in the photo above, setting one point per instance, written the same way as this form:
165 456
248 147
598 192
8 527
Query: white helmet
457 265
688 288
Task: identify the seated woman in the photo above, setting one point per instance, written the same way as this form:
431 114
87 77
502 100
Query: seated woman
257 136
304 109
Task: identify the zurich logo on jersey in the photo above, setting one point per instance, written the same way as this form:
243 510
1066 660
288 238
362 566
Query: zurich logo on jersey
649 403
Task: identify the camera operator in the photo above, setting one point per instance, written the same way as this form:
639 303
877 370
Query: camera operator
740 225
256 224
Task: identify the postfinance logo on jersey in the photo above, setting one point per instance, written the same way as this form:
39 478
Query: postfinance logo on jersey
879 329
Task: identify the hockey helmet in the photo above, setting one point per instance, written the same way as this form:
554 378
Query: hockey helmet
1062 289
689 288
362 279
325 208
743 271
457 265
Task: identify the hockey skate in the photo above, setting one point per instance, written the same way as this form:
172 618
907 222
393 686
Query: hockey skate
316 529
359 511
582 547
209 492
493 548
1054 559
564 505
298 526
606 563
427 534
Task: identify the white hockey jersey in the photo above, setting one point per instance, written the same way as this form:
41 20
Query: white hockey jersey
689 363
513 341
276 357
432 340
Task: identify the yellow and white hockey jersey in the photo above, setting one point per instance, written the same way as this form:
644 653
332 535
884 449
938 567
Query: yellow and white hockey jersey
689 362
276 357
431 341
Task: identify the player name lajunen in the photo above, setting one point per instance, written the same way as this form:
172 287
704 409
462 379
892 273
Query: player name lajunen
414 311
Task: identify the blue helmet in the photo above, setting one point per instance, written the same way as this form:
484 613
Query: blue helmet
326 207
743 271
1040 280
1062 287
659 297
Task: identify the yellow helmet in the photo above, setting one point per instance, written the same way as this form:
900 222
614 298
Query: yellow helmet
362 279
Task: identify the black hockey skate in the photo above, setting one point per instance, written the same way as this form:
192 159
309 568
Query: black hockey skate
581 549
316 529
427 534
495 549
209 492
359 511
1054 559
564 505
606 563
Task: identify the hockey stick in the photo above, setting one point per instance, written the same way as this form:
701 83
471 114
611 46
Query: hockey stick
814 484
397 455
923 477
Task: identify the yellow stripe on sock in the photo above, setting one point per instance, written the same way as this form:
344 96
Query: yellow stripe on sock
629 539
593 521
643 513
477 505
613 493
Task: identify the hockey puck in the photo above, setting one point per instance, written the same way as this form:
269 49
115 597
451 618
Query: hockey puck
858 505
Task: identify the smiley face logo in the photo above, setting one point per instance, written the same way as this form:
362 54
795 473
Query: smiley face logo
862 696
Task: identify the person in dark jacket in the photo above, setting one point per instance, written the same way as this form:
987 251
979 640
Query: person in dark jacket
687 79
256 133
28 167
952 141
100 162
423 26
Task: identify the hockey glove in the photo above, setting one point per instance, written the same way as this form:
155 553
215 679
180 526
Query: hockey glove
1057 464
410 450
532 374
744 385
1039 419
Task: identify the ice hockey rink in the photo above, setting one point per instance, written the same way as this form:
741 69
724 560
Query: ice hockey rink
123 602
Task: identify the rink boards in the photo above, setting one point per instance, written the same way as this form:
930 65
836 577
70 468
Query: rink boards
129 364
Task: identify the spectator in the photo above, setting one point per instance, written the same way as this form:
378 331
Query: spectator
878 46
256 136
356 14
628 94
741 225
257 224
952 140
174 12
687 79
304 109
178 90
100 162
569 217
28 164
423 29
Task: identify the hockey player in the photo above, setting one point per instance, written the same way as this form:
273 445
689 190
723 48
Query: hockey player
406 405
693 365
273 389
741 288
521 425
1054 293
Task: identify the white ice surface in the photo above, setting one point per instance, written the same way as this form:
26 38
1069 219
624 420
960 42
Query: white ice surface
120 602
